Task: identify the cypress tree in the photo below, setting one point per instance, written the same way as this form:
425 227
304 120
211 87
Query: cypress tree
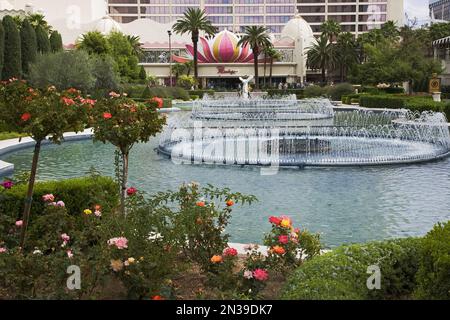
13 56
2 47
43 43
56 43
142 73
29 46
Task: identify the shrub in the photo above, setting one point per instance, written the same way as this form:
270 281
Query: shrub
342 273
279 93
56 43
43 42
201 93
2 48
382 101
433 278
336 92
77 194
29 46
314 91
63 70
106 78
186 82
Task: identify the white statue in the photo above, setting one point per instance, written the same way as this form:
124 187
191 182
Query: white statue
245 88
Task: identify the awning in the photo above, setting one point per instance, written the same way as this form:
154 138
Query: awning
441 42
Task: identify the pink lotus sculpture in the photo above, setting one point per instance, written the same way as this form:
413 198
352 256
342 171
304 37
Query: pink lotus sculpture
222 48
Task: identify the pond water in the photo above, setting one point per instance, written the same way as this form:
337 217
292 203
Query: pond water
345 205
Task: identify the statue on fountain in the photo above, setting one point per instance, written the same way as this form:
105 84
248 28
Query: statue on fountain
245 87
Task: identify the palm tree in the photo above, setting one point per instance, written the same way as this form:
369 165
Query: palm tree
38 19
273 55
322 56
330 29
189 65
346 51
390 30
256 37
267 51
177 70
94 42
194 21
135 42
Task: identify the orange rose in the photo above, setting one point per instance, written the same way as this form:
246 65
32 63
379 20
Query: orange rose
200 203
230 203
278 250
216 259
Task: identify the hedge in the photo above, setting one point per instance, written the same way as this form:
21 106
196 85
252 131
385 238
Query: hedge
342 273
77 194
167 103
419 104
142 91
284 92
433 278
201 93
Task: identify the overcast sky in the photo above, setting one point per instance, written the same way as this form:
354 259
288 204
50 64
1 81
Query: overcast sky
417 8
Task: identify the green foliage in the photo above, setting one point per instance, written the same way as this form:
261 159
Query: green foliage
142 74
28 46
322 56
43 42
433 278
164 92
336 92
382 101
201 93
12 67
342 273
439 30
71 69
56 43
314 91
299 93
94 42
106 77
186 82
2 47
123 54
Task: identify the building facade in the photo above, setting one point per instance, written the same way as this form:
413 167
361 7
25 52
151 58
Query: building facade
440 10
355 16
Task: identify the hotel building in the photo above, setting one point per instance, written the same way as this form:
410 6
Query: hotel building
440 10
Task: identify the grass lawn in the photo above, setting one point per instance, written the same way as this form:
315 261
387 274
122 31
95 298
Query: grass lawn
10 135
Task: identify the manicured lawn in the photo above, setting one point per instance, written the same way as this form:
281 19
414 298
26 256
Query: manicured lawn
10 135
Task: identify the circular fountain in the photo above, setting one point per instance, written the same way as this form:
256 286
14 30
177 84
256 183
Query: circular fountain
289 132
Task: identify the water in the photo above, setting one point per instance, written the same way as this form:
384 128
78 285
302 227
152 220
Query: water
345 205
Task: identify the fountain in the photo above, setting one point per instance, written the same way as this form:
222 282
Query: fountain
288 132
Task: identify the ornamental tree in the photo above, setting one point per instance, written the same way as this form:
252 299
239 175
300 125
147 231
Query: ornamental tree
41 114
123 122
28 46
12 52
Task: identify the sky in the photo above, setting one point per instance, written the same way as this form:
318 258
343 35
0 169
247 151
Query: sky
417 8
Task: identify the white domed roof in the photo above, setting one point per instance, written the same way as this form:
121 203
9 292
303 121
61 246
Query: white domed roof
297 28
5 5
106 25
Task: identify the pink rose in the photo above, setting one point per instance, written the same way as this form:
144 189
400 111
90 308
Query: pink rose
260 274
2 250
98 213
65 237
48 197
69 254
19 223
230 252
120 242
248 274
283 239
60 204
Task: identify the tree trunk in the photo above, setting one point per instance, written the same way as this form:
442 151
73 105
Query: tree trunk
29 198
324 77
255 64
124 181
195 44
265 69
271 72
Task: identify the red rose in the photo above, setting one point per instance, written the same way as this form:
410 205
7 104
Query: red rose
107 115
68 101
275 220
157 298
230 203
25 117
200 203
283 239
131 191
230 252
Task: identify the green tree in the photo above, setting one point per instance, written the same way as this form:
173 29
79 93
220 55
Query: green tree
257 38
439 30
13 57
142 74
273 55
194 21
266 52
390 31
135 43
122 52
94 42
189 65
177 70
347 55
2 48
65 69
322 56
105 75
43 43
40 114
28 46
123 123
38 20
331 29
56 43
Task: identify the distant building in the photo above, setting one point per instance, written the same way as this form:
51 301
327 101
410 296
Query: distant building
440 10
441 48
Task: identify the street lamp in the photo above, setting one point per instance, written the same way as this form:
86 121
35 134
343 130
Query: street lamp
169 32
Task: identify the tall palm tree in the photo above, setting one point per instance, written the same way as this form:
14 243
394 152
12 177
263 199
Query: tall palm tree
94 42
257 38
38 19
177 70
347 53
267 52
331 29
273 55
194 21
322 56
390 30
189 65
135 42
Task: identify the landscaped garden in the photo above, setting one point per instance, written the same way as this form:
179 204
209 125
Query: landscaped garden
315 234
